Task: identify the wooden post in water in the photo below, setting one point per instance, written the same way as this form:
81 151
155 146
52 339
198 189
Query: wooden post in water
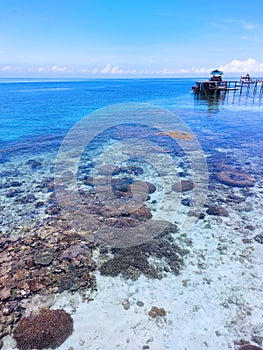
214 87
241 88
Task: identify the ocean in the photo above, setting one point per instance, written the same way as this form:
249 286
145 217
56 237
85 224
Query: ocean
135 206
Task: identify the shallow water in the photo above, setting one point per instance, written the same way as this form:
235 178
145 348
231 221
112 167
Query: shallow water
211 136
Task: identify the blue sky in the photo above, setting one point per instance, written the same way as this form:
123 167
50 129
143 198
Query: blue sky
127 38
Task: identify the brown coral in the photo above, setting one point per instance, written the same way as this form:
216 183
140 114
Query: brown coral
48 329
177 135
156 311
183 186
235 178
249 347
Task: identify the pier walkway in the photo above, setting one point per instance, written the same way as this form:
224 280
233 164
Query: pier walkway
210 87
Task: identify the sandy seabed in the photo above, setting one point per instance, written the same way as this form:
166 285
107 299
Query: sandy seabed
214 303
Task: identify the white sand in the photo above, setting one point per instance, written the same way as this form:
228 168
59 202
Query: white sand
208 305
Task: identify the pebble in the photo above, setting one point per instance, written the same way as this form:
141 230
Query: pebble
15 183
259 238
126 304
140 303
155 311
246 240
81 342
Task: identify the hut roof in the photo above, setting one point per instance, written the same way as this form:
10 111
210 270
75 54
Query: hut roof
217 72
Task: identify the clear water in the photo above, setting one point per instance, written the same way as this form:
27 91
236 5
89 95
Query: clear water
37 115
37 110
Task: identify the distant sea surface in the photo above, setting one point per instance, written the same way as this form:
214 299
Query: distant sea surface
42 112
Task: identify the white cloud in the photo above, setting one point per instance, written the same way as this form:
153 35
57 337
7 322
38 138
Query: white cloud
10 68
116 70
224 24
250 65
233 68
36 69
6 68
109 69
58 69
192 70
247 66
106 69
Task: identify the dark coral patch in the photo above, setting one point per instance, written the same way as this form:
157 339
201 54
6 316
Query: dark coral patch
134 261
235 179
217 211
48 329
249 347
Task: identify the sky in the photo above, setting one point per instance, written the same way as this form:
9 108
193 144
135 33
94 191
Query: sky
130 38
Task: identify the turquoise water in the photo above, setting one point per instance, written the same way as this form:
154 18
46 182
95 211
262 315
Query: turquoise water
36 115
37 110
224 134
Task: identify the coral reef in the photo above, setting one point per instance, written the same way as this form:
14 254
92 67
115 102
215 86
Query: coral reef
52 260
249 347
217 211
132 262
48 329
235 178
156 311
183 135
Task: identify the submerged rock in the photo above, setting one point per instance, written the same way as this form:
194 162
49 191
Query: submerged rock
183 186
217 211
151 187
34 163
259 238
108 170
29 198
13 193
132 169
44 257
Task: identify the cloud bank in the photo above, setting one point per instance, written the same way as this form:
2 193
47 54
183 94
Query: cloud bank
235 67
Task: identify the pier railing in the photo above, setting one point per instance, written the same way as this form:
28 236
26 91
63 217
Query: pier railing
209 87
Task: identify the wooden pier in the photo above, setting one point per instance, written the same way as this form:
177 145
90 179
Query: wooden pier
210 87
